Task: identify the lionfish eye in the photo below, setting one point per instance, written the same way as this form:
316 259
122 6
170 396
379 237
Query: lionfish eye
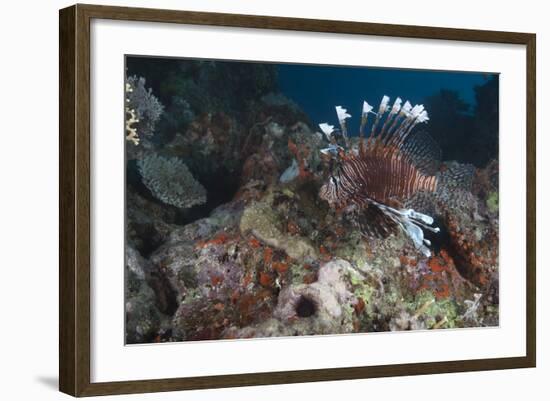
334 180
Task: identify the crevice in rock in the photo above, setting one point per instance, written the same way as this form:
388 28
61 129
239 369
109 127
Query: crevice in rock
305 307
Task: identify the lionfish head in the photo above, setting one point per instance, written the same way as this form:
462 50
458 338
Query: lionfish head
332 193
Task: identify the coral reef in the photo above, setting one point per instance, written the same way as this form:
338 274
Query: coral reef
260 220
143 108
143 319
170 181
281 264
227 236
148 223
325 306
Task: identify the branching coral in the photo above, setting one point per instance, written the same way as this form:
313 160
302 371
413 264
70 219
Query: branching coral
131 119
170 180
143 110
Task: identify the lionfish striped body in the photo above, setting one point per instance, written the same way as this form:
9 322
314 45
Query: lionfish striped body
389 168
384 178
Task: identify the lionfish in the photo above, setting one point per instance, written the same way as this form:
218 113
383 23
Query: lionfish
389 168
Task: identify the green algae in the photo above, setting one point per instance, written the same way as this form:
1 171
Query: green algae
492 202
264 223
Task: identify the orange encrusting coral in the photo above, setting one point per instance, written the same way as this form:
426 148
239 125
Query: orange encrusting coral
268 255
440 276
266 280
474 257
216 280
441 262
219 239
280 267
300 154
325 254
359 306
254 243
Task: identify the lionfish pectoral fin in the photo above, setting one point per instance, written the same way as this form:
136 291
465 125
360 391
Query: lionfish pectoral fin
416 234
413 225
375 223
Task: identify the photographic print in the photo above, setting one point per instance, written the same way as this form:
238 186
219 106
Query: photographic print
276 199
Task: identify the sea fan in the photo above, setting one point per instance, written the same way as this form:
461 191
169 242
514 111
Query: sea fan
170 181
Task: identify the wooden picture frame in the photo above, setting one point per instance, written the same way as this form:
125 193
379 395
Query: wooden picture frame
74 204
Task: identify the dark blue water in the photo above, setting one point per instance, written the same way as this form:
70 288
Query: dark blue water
463 106
317 89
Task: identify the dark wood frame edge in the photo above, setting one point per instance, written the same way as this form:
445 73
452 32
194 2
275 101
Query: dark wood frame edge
74 199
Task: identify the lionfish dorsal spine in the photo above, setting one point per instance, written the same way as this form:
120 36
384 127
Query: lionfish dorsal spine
392 116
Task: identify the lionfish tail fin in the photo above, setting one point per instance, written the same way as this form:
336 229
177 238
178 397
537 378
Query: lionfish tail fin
454 176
